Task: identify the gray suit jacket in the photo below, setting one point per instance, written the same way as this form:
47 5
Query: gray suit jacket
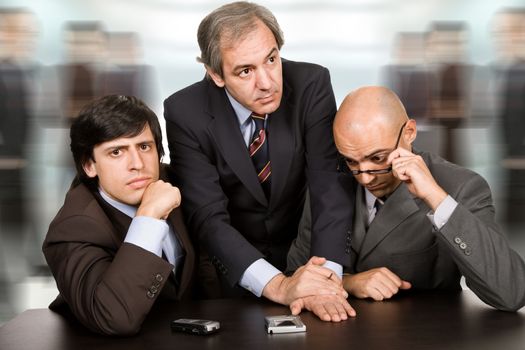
403 239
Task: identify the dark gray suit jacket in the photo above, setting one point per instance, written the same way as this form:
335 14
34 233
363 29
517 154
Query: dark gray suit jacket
224 203
403 239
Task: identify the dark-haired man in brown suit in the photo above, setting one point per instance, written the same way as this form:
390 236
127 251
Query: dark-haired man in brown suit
119 242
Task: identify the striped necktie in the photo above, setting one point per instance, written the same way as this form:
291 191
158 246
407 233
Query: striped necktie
259 153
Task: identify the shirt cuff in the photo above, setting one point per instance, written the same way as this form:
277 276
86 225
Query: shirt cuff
147 233
335 267
443 212
257 276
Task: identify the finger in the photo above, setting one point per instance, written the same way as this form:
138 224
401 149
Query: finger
393 155
401 173
316 260
384 286
321 312
321 291
296 306
392 280
405 285
332 311
399 152
324 272
375 294
387 289
341 310
319 279
349 310
335 277
308 283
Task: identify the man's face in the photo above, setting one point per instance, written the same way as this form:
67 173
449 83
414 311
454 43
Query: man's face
252 71
125 166
369 151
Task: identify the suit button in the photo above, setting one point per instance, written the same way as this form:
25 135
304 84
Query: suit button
457 240
347 250
153 289
150 295
159 277
463 245
468 251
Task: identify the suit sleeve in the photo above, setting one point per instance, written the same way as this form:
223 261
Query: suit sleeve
492 270
204 201
108 291
331 194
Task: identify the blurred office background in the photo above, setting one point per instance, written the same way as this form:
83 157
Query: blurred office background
459 67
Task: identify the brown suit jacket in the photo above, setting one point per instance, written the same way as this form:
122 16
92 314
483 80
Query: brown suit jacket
108 285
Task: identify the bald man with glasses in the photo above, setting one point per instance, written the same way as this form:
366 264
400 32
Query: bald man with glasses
420 222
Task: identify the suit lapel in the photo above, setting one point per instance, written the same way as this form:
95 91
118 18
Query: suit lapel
226 133
399 206
282 143
360 221
177 223
119 220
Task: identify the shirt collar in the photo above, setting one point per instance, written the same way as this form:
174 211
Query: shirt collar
243 114
127 209
370 199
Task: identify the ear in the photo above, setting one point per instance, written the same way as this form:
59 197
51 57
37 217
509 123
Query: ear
217 79
410 131
90 168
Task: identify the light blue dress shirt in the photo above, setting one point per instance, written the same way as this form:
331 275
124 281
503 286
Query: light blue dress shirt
151 234
260 272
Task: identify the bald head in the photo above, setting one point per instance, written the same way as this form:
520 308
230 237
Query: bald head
370 124
368 108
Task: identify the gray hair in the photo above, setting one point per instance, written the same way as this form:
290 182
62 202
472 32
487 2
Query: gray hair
232 22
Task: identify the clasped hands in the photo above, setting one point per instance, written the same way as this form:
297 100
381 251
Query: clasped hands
314 288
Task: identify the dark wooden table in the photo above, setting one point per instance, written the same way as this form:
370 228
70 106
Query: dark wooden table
414 321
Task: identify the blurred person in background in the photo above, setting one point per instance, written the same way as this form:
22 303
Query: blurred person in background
509 34
18 33
65 88
410 78
124 73
450 105
408 75
119 242
85 53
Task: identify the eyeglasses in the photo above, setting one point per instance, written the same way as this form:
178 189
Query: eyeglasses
373 171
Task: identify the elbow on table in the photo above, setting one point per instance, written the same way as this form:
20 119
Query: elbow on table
122 328
508 303
512 306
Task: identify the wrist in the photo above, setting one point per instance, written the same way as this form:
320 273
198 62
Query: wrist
348 281
274 289
150 212
435 198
